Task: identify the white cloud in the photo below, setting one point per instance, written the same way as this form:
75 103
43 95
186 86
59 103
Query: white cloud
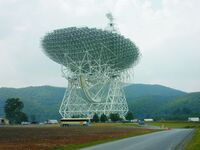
167 32
168 39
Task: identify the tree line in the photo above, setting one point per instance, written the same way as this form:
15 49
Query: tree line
114 117
13 112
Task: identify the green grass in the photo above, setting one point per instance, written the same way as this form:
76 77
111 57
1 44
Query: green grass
115 124
194 143
175 124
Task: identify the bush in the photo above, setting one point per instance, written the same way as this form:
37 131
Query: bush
103 118
129 115
115 117
95 118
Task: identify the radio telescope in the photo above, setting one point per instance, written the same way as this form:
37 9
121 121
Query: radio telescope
93 61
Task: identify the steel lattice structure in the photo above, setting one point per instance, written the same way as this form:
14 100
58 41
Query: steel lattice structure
93 61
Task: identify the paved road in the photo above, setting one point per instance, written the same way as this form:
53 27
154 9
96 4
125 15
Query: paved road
164 140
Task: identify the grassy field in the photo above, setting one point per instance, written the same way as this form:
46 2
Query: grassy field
194 143
175 124
36 137
116 124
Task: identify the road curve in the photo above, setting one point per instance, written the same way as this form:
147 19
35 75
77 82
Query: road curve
163 140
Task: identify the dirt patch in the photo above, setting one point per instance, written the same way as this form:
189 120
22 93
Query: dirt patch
44 138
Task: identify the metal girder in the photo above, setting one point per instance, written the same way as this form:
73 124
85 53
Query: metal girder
98 90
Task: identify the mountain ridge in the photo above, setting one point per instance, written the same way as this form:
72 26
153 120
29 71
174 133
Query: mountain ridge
144 100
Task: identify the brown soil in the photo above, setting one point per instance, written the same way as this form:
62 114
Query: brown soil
36 138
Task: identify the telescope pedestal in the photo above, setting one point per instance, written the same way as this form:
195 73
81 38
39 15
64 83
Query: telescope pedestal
75 104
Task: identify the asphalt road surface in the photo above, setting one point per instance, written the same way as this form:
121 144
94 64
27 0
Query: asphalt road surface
163 140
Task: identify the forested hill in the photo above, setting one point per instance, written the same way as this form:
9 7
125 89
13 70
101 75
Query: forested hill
143 99
137 90
41 101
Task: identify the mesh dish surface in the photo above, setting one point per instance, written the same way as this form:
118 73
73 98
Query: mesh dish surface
68 46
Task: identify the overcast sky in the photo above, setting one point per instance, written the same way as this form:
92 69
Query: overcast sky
166 31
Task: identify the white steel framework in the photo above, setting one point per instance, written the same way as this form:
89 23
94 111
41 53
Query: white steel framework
97 90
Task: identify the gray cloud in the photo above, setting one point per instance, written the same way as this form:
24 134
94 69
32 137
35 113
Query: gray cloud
167 32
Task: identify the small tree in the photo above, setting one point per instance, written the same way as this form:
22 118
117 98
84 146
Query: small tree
129 116
13 112
95 118
103 118
115 117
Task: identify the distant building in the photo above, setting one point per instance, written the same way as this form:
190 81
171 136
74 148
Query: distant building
4 121
193 119
25 123
148 120
134 120
52 121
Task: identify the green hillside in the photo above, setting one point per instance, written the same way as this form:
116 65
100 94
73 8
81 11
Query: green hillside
42 101
137 90
143 99
146 100
183 106
190 101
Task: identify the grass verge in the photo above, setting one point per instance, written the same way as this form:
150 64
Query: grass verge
194 143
